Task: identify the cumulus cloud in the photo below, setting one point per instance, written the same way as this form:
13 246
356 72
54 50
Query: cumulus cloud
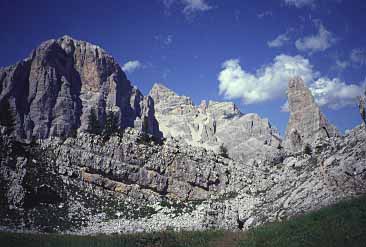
279 41
300 3
270 82
131 66
318 42
335 93
358 56
267 83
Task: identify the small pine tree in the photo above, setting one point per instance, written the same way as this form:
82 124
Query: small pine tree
93 123
111 124
73 132
7 118
307 149
223 151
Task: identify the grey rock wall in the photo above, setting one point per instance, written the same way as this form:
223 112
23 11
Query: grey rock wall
307 123
54 89
213 124
362 108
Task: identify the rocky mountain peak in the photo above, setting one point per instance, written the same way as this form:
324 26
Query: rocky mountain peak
223 109
307 123
55 89
213 124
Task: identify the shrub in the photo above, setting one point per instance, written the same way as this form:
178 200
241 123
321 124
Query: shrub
7 117
307 149
223 151
111 125
93 123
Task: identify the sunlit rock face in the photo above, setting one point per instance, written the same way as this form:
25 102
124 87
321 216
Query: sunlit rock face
307 123
213 124
362 108
54 89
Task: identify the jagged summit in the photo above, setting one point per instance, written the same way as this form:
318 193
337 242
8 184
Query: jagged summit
307 123
213 124
160 87
54 90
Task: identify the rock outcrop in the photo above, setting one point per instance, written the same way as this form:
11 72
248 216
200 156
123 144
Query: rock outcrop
362 108
307 123
89 185
213 124
54 89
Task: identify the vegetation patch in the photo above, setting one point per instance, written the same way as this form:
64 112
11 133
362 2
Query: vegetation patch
343 224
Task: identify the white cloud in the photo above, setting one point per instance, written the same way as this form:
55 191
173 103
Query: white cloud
358 56
335 93
279 41
270 82
131 66
267 83
168 3
319 42
300 3
341 65
285 107
189 6
192 6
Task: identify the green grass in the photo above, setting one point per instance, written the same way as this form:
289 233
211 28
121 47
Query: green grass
343 224
166 239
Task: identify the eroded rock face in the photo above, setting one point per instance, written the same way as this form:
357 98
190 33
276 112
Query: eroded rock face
213 124
54 89
89 185
171 170
307 123
362 108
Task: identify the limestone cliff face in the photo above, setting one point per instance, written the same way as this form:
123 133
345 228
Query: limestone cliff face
213 124
307 123
130 184
362 108
54 89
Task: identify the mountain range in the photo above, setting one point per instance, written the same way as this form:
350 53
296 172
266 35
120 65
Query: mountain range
166 163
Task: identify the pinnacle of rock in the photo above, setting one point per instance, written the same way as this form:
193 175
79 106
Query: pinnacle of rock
307 123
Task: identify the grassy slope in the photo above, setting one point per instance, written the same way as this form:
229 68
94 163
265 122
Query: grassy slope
341 225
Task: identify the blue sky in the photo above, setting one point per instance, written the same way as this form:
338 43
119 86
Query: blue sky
235 50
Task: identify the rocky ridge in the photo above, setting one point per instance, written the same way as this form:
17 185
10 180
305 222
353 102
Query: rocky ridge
214 124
